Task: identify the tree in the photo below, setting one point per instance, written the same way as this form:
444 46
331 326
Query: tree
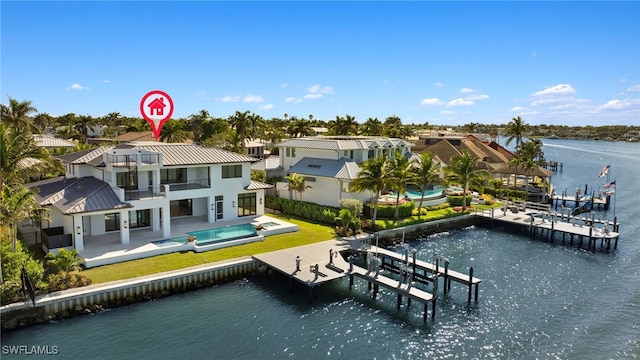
423 174
297 183
43 121
300 127
373 177
17 115
399 176
516 129
195 123
241 124
463 170
83 124
344 125
173 132
373 127
20 156
19 204
65 260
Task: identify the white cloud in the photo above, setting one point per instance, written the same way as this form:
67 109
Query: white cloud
517 108
231 99
106 81
552 100
284 85
466 91
634 88
252 99
316 91
292 100
77 87
438 84
266 107
446 112
431 102
459 102
477 97
555 90
616 105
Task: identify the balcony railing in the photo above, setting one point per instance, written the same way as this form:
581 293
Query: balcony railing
149 193
55 238
133 160
191 185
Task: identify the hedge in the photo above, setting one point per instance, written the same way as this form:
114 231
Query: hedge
389 211
306 210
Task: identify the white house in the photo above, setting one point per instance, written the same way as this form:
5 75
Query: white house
331 163
144 187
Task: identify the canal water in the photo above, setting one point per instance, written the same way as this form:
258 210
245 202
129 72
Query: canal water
538 300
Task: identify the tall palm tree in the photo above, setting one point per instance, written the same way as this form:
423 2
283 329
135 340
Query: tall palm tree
393 127
19 204
173 132
400 176
301 127
346 125
516 129
423 174
20 156
464 171
297 183
373 127
43 121
17 114
83 124
374 177
195 123
241 123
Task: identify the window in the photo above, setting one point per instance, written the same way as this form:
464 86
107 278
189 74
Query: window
231 171
181 207
290 152
246 204
173 176
125 181
112 222
139 218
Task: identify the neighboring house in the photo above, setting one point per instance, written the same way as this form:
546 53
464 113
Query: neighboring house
51 143
144 186
318 130
255 148
330 164
446 147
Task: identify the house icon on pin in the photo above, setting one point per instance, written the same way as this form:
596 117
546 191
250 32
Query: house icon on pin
157 106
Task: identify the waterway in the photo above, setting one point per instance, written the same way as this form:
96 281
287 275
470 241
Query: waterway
538 300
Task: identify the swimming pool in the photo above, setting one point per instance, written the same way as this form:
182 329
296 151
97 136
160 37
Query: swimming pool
221 234
414 193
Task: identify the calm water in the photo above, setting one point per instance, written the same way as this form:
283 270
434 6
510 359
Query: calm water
537 300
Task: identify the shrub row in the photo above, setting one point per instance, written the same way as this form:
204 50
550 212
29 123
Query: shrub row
455 200
501 193
306 210
389 211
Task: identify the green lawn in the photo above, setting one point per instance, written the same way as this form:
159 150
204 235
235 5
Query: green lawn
309 233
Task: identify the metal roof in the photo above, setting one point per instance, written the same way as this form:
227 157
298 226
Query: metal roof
77 195
344 142
341 169
257 185
172 154
49 141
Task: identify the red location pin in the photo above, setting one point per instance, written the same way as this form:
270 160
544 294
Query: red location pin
156 108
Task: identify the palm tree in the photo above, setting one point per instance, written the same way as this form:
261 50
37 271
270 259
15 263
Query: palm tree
423 174
83 124
400 176
463 170
43 121
19 204
20 156
373 177
297 183
301 127
16 114
516 129
393 127
343 125
65 260
195 123
241 122
173 132
373 127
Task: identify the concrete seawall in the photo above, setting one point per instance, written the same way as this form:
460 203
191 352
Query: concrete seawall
94 298
411 232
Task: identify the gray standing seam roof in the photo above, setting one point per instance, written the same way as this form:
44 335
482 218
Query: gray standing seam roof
77 195
341 169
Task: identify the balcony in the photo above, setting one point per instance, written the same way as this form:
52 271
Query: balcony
190 185
132 160
55 238
149 193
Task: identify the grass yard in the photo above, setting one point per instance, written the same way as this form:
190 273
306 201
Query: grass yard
309 233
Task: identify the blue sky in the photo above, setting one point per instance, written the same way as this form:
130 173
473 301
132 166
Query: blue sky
446 63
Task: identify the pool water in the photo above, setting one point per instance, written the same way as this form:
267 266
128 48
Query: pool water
414 193
169 242
224 233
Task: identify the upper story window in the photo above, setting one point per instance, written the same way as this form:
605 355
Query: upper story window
231 171
290 152
173 176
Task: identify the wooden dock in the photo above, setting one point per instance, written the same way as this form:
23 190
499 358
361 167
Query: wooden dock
318 263
547 224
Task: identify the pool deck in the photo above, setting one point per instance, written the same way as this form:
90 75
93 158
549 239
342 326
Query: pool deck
107 249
